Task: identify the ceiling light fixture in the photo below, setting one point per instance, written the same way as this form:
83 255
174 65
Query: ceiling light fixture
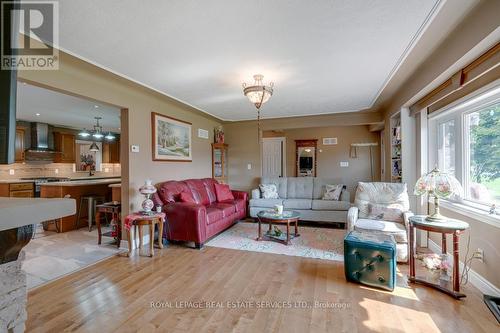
258 93
97 129
96 132
37 114
84 133
94 147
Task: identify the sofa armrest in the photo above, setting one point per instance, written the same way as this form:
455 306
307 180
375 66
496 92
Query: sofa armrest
352 217
186 221
240 195
406 218
256 193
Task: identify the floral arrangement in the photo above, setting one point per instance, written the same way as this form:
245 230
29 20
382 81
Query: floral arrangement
436 262
219 134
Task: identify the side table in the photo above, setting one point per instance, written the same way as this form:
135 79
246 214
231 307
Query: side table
113 208
448 226
138 220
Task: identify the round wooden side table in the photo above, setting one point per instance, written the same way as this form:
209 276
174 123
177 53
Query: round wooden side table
448 226
138 220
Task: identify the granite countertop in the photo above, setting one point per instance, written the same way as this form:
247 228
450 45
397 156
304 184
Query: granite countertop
15 181
85 182
17 212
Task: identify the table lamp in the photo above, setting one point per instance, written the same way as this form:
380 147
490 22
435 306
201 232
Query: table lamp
439 185
147 189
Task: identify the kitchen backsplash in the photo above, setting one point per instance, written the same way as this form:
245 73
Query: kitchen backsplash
22 170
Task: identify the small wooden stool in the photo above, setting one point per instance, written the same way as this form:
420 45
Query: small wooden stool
151 221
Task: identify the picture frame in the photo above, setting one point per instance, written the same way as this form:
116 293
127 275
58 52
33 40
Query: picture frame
171 139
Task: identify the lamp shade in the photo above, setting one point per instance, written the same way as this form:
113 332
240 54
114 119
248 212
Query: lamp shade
94 147
439 184
147 188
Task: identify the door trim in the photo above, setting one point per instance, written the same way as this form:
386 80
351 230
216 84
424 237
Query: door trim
281 139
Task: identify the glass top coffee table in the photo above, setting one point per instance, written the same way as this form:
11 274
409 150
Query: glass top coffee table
271 217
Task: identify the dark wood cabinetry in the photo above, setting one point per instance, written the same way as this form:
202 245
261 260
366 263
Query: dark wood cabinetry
65 144
19 145
17 190
111 152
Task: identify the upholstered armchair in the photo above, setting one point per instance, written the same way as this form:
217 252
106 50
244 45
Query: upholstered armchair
382 208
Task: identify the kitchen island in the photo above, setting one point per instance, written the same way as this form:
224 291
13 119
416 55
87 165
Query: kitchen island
17 217
76 189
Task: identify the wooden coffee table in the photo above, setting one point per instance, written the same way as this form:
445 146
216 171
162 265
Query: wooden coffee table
271 217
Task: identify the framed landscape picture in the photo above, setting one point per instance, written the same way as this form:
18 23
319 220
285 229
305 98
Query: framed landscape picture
171 139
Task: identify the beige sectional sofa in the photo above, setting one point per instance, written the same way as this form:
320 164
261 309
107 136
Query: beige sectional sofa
304 195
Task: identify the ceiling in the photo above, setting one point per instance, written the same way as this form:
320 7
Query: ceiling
324 56
63 110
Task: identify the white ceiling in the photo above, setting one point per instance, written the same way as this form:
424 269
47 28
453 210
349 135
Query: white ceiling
63 110
325 56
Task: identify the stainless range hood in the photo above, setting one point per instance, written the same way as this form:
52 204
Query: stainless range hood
40 150
40 139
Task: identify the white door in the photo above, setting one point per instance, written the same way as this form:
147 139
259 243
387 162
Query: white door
273 157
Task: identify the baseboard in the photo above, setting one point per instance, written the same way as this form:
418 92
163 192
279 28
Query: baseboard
477 280
124 242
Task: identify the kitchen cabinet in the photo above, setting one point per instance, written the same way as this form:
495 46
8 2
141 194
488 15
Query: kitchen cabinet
65 144
17 190
19 145
111 152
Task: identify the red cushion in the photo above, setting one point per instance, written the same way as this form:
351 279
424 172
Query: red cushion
227 209
186 197
214 215
223 192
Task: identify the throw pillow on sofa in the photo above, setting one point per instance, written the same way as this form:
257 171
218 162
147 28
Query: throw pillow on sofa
269 191
186 197
333 192
223 193
393 212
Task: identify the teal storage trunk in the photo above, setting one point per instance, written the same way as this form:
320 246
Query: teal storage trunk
370 259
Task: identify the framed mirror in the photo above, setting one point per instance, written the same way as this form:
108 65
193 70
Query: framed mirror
306 158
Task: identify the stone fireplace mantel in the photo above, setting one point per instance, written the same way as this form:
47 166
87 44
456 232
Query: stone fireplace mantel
17 217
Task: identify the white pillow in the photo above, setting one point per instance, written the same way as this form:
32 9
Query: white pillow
269 191
333 192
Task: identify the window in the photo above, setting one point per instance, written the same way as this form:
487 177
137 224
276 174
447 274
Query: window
446 146
482 129
464 140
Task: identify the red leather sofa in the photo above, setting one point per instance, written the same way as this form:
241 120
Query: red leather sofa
198 222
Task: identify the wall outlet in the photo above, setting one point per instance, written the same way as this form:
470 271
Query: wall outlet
344 164
12 172
56 171
478 254
249 166
134 148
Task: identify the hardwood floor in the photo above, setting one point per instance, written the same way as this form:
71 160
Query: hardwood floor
116 295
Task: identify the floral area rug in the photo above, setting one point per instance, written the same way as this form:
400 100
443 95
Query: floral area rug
320 243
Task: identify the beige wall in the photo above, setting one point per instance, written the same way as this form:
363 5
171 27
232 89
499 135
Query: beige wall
242 138
85 80
329 156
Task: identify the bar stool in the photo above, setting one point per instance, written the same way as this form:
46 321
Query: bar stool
92 201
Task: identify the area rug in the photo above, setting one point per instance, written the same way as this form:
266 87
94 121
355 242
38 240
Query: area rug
51 255
320 243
